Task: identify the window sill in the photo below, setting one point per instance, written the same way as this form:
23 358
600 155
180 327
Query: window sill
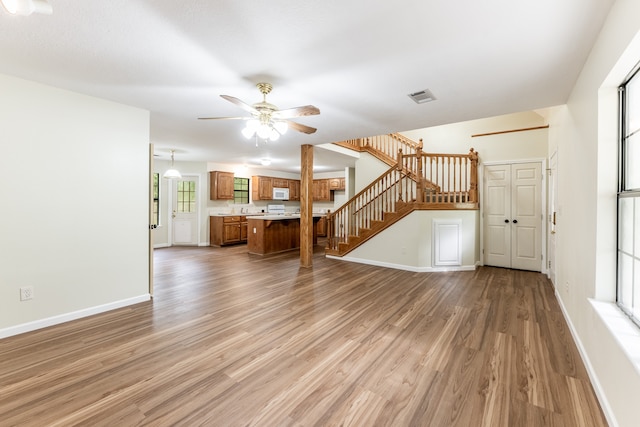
625 332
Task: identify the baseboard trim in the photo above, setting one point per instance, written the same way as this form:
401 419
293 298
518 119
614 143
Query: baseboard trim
67 317
411 268
602 398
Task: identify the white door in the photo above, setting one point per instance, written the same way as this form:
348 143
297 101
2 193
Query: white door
513 216
184 211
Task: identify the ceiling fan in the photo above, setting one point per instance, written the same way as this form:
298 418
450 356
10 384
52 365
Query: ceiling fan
266 121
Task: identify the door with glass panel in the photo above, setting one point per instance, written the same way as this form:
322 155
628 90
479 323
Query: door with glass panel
184 212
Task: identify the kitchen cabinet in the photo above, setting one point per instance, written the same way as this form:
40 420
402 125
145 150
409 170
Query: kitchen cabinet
261 188
278 233
322 226
227 230
294 190
321 192
221 185
280 182
336 183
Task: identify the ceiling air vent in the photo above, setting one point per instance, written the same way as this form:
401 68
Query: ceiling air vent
422 96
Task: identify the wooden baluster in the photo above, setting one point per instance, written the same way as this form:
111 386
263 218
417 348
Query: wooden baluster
431 171
441 178
419 181
463 177
448 179
466 176
399 167
459 187
329 220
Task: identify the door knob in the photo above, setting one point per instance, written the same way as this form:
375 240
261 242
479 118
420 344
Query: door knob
515 221
506 221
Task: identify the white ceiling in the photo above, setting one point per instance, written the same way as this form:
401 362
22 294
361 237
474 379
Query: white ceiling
354 60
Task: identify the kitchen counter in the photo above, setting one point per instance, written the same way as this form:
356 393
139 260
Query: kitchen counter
276 233
278 217
236 214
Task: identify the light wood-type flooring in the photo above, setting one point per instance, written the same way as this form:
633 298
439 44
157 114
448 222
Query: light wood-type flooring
233 339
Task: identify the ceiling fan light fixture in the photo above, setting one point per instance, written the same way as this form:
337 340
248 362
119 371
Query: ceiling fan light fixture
264 131
253 124
248 133
281 127
27 7
273 135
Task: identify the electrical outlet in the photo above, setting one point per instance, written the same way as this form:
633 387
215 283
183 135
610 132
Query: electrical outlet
566 287
26 293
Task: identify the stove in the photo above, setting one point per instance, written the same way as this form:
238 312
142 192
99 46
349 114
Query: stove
275 209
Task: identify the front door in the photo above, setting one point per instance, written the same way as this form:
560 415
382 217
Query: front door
184 211
513 216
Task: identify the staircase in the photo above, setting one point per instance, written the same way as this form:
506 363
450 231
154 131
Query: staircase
414 181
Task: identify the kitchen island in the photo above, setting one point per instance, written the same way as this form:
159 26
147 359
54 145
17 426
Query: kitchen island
276 233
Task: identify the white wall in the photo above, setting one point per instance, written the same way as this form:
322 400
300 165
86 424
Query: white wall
457 138
367 169
75 204
584 135
408 244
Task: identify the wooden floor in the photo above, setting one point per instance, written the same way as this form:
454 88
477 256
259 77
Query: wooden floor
232 339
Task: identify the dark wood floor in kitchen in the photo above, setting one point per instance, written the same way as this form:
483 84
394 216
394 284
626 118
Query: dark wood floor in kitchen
233 339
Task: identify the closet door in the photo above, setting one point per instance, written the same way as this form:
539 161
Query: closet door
497 215
513 216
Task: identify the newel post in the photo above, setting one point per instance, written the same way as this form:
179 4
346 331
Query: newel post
473 179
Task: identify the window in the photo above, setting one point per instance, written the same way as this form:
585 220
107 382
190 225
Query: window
155 216
186 196
628 287
241 190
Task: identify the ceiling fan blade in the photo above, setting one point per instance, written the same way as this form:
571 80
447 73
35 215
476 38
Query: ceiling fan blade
300 128
224 118
246 107
305 110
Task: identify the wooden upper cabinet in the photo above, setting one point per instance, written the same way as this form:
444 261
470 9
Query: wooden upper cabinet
336 184
280 182
294 189
221 185
321 190
261 188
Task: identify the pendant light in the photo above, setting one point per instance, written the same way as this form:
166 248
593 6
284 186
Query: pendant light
172 172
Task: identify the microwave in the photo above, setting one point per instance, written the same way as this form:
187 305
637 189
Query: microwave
280 194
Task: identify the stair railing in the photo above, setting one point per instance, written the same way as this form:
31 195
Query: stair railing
426 178
369 205
384 147
443 178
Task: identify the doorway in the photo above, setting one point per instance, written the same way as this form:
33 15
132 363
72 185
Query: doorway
185 211
553 207
513 215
